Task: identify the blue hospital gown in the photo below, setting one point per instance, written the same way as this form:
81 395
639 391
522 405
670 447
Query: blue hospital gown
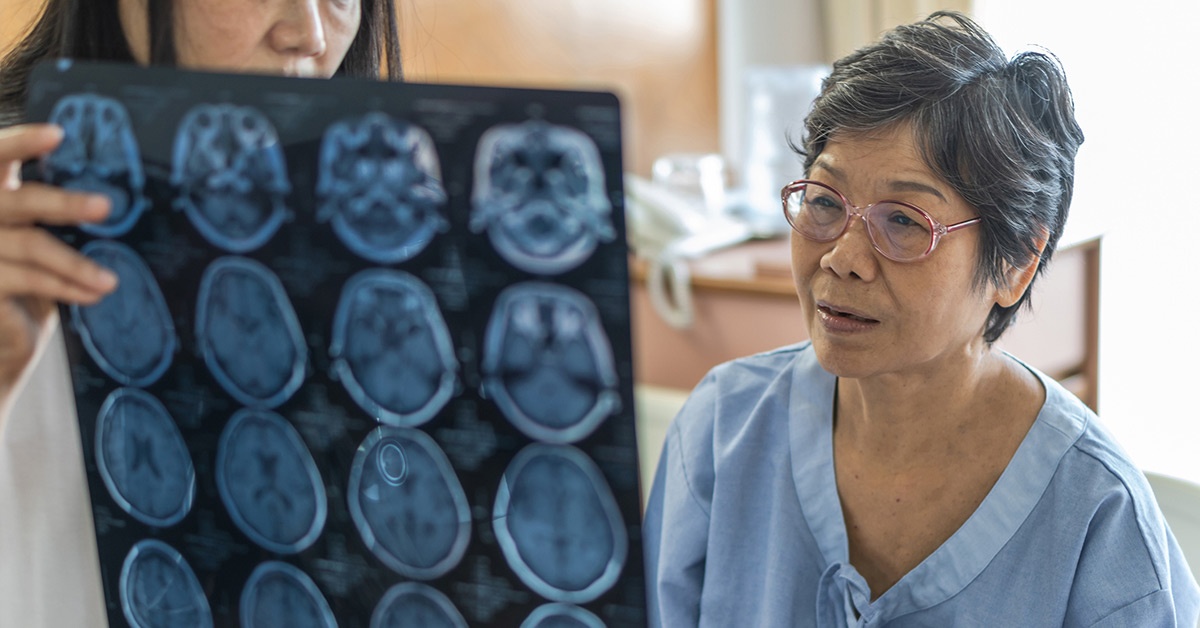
744 526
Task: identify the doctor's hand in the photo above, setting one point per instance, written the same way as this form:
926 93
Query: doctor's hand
36 269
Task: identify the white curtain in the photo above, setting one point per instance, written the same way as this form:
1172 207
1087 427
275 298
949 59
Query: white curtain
850 24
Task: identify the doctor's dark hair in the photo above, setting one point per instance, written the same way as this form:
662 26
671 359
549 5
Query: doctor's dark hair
90 30
1001 132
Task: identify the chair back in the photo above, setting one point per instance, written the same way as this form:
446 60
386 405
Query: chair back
1179 501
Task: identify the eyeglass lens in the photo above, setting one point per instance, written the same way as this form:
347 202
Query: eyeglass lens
898 231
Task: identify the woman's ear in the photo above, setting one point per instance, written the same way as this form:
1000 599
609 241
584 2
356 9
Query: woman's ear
1018 278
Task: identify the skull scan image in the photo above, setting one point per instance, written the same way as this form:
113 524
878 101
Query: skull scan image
279 594
547 362
129 334
391 348
415 604
408 504
248 332
143 459
558 524
229 173
379 183
99 154
158 589
558 615
269 482
540 195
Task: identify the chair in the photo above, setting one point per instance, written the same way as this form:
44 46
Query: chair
1179 501
656 406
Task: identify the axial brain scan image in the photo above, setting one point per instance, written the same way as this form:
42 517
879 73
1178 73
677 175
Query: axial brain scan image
129 333
557 615
391 348
547 362
408 504
228 169
415 604
248 332
379 183
269 482
540 196
279 594
143 459
99 154
558 524
158 589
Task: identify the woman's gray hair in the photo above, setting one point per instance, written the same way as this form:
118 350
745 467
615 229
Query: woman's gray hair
1000 131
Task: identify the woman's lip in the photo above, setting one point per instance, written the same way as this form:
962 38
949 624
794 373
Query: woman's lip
840 324
843 312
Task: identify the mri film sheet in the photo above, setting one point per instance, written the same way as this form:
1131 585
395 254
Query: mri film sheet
369 359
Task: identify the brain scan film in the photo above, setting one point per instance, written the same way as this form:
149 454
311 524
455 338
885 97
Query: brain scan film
279 594
380 185
228 168
99 154
391 348
407 503
547 362
540 195
143 459
269 482
248 333
556 615
159 589
559 525
129 333
415 604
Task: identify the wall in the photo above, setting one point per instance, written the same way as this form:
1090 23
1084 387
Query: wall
660 58
1134 79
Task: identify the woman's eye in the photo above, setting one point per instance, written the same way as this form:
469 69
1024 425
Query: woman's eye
904 220
825 202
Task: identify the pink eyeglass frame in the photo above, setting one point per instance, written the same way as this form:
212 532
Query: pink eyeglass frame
936 229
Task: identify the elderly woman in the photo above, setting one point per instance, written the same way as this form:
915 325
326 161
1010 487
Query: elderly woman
899 469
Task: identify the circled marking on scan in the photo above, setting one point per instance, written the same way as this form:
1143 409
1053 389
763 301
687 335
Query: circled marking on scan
158 589
99 154
548 364
248 333
415 604
391 348
540 196
280 594
559 615
269 482
393 464
380 186
228 170
421 526
142 458
558 524
129 333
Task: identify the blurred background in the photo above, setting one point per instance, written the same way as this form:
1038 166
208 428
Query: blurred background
710 88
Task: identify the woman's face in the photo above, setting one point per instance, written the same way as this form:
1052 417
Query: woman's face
866 314
291 37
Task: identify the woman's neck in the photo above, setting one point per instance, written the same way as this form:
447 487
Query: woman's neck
943 410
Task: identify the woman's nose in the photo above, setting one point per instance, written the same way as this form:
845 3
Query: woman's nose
852 254
299 30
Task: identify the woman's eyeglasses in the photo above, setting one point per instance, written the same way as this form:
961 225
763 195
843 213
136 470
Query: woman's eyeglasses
899 231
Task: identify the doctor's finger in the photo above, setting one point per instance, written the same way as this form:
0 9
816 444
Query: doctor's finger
45 204
31 253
